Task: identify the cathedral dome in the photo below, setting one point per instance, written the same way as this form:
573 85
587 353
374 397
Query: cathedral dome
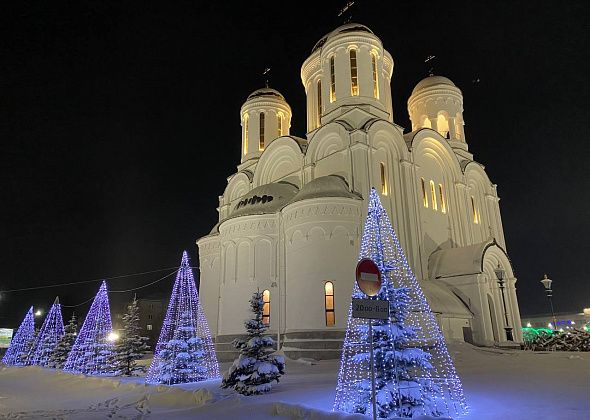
349 27
432 81
266 92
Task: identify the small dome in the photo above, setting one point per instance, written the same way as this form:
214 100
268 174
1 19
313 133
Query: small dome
265 199
266 92
325 186
432 81
349 27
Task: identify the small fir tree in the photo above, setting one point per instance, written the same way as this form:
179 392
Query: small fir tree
64 345
256 368
132 345
181 360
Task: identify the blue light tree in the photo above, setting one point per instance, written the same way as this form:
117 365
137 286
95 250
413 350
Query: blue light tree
414 373
48 337
93 352
22 342
185 351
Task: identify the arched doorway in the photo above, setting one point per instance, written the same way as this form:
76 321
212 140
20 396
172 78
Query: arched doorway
492 309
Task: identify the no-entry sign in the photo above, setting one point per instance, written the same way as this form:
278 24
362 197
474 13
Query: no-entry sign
368 277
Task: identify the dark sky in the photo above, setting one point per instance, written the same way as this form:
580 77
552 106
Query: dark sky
119 124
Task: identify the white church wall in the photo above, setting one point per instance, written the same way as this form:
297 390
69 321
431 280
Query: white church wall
282 159
209 278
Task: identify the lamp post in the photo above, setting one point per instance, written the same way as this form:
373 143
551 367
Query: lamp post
547 284
500 276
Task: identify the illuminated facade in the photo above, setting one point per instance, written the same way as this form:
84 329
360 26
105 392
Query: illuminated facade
291 217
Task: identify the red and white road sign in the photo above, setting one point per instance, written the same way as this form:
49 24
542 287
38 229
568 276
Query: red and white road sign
368 277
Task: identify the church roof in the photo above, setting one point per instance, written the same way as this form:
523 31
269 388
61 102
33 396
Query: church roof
325 186
349 27
265 199
266 92
432 81
464 260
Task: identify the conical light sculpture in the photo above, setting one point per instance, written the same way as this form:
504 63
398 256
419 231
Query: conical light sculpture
20 346
48 337
92 353
184 332
414 372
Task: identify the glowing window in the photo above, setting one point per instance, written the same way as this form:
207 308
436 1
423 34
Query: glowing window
475 211
442 124
443 202
246 134
266 307
433 196
280 124
375 79
332 81
329 301
261 141
354 80
424 196
319 113
384 186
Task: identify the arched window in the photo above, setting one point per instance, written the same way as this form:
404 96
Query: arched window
329 301
443 202
442 124
375 79
261 141
475 211
354 80
384 186
246 134
433 196
424 196
266 307
332 81
280 124
319 113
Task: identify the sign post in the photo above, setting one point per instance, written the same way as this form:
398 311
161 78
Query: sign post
368 278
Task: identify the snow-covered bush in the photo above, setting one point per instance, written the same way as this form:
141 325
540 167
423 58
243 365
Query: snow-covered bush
132 345
64 345
255 368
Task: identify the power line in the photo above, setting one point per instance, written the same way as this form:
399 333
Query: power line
88 281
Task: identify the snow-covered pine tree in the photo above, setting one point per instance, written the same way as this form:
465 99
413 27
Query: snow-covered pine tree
181 360
132 345
256 368
64 345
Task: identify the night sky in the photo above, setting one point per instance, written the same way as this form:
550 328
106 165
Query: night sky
119 124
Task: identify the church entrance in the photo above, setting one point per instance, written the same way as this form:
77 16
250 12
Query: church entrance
492 309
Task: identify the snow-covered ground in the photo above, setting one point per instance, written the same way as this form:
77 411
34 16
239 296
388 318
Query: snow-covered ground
499 384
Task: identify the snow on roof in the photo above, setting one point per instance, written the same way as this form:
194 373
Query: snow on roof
268 198
325 186
349 27
458 261
432 81
442 300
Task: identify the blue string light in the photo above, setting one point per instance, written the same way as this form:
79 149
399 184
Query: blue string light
414 371
185 351
93 351
20 346
48 337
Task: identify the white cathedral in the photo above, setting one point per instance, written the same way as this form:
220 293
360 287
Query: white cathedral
291 217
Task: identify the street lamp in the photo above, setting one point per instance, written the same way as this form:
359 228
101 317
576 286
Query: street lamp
547 284
39 312
500 276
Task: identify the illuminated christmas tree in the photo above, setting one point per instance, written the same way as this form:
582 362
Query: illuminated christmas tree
92 353
64 345
185 351
414 373
22 342
48 337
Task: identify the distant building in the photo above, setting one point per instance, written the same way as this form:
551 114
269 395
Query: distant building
564 320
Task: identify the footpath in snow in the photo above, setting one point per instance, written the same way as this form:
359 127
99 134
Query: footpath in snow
499 384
